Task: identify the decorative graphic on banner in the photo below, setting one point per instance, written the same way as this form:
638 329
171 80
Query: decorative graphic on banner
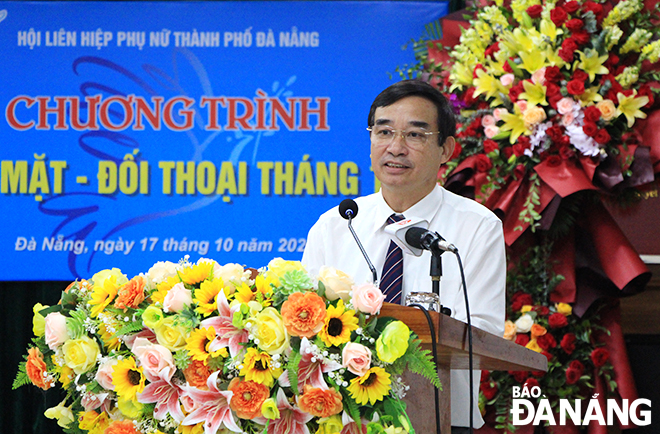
143 131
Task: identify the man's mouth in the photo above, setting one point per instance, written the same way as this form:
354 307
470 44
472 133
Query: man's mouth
396 165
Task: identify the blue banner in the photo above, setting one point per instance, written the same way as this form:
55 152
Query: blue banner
136 132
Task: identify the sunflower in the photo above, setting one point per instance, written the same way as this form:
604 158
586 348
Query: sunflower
205 296
108 336
197 273
260 291
163 288
198 345
258 367
102 295
370 387
339 323
127 378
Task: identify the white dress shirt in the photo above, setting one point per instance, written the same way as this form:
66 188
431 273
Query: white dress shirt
471 227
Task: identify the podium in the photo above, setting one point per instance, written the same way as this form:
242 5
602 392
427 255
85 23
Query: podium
490 352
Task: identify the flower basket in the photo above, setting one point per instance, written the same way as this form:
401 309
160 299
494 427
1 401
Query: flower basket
203 347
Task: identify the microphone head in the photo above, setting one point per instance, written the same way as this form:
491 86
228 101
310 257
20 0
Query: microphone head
348 208
414 237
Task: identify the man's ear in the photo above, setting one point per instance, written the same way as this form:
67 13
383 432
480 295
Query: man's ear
448 149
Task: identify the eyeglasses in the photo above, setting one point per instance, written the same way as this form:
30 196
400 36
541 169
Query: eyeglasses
414 137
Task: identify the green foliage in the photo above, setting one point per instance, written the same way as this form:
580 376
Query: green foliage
292 370
21 376
420 361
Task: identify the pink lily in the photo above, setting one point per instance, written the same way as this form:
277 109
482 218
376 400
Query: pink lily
310 372
292 419
214 410
226 334
166 394
350 427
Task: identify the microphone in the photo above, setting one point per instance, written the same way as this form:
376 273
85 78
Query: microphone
424 239
397 232
348 209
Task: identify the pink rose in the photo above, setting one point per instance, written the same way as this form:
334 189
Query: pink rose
104 374
539 76
491 131
55 333
156 360
498 112
522 105
356 358
507 79
367 298
565 106
177 298
487 121
568 119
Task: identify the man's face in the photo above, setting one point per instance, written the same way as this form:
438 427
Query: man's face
408 172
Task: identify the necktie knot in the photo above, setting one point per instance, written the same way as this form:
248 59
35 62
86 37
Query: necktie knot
395 218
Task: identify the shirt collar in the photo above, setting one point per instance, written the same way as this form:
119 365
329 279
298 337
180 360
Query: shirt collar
425 209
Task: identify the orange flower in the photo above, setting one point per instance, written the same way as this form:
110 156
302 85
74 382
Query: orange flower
121 427
537 330
319 402
196 374
36 368
131 294
248 397
303 314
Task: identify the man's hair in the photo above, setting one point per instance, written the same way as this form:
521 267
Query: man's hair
406 88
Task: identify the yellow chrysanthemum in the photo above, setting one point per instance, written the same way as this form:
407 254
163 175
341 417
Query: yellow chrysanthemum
371 387
163 288
630 106
102 295
339 323
198 345
258 367
205 296
197 273
128 379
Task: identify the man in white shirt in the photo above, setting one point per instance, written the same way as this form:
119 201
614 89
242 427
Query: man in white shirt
411 128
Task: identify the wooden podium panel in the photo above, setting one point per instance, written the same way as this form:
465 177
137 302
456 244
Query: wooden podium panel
489 351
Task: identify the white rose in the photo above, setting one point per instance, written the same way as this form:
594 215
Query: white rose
337 283
524 323
231 274
161 270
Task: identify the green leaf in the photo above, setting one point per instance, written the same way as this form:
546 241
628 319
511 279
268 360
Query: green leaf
292 370
351 408
420 361
21 377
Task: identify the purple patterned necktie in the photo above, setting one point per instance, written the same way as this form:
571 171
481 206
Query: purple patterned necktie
391 281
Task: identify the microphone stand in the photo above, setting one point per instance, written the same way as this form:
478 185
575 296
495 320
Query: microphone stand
436 275
374 274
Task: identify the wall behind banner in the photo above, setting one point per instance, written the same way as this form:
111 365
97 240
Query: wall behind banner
135 132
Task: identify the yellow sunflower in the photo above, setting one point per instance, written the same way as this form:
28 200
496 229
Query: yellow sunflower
258 367
128 379
102 295
110 341
197 273
260 291
198 345
205 296
370 387
163 288
339 323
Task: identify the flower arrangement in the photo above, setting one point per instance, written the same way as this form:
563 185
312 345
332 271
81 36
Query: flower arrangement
203 347
550 92
568 341
551 99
